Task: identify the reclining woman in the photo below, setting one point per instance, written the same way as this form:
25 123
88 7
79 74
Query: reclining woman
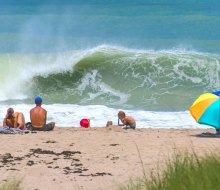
14 120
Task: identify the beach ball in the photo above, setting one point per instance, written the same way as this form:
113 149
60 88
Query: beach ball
85 123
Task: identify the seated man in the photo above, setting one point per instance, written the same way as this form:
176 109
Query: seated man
38 116
14 120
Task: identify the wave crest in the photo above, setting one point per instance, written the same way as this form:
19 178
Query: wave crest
112 76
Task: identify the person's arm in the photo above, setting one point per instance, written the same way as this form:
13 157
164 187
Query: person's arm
31 115
119 123
4 122
124 122
45 118
15 122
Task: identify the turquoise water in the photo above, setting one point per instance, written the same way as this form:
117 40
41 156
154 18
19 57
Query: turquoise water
42 26
150 57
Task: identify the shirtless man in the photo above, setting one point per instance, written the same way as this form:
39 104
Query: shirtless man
14 120
38 116
128 121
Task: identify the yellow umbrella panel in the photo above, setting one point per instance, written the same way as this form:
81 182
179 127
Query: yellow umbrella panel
201 104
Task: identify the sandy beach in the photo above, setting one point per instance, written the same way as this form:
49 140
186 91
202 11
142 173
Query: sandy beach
156 61
95 158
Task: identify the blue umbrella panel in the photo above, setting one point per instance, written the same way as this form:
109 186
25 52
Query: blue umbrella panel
211 115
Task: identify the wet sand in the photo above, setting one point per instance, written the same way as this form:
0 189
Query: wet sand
96 158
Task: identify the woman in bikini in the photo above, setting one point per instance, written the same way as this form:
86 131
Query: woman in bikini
14 120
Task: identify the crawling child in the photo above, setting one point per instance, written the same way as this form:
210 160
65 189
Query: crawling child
127 121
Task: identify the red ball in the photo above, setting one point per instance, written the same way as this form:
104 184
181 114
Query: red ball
85 123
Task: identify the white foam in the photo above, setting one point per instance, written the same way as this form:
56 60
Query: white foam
16 71
69 115
92 80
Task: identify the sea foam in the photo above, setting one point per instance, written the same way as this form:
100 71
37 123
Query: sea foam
68 115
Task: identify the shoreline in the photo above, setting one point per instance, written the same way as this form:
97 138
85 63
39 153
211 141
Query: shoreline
95 158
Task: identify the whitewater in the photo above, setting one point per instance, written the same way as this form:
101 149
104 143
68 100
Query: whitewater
155 87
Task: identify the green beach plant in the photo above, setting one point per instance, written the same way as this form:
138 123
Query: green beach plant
10 185
184 172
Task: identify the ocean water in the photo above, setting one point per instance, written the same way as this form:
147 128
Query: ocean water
151 59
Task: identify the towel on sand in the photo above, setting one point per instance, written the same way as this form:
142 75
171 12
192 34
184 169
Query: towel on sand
7 130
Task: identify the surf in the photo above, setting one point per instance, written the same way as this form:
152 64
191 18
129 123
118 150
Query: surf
165 80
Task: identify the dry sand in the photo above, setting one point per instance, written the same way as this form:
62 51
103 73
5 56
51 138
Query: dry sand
96 158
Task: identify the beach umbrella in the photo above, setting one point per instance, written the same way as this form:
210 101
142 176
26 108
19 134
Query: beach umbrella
216 93
206 110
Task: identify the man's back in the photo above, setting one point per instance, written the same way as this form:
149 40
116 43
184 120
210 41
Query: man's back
38 117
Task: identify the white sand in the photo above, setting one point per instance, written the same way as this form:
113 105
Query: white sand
98 158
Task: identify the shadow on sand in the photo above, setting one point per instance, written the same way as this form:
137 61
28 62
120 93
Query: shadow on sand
208 135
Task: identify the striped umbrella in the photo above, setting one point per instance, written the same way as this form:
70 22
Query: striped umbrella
216 93
206 109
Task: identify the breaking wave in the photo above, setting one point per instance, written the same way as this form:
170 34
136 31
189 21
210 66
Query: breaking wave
111 76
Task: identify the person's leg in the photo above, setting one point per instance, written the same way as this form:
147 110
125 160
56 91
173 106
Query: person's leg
50 126
21 121
132 126
9 123
129 127
28 125
31 128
